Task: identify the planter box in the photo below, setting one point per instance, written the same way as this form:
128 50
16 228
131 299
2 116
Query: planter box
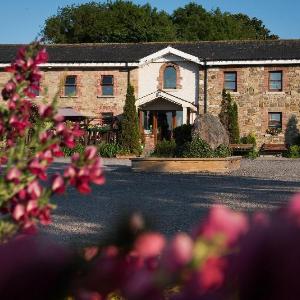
186 165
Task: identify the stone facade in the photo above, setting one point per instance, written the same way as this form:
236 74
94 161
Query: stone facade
255 100
88 99
253 97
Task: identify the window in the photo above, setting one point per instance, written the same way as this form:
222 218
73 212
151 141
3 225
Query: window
70 86
230 82
275 120
107 85
275 81
170 78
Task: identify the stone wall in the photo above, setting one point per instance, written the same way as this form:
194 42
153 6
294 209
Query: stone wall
88 100
254 99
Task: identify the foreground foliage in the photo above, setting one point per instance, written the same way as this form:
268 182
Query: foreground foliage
227 256
25 186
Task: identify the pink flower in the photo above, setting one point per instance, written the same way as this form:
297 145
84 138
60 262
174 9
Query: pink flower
96 172
178 252
18 123
41 57
45 136
58 184
212 274
293 208
76 131
223 222
45 110
56 150
70 172
18 212
9 90
90 152
58 118
83 186
13 175
36 168
149 244
34 190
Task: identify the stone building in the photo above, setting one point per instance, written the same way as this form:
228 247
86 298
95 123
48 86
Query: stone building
175 81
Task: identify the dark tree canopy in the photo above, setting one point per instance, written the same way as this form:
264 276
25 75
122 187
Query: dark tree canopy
119 21
124 21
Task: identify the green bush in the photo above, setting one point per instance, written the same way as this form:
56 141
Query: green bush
79 148
183 134
252 154
197 148
294 151
108 150
164 148
222 151
248 139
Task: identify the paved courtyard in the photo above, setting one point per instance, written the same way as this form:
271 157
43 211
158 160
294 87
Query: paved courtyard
171 202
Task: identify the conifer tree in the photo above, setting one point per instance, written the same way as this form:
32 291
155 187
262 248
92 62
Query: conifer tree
130 137
234 131
229 117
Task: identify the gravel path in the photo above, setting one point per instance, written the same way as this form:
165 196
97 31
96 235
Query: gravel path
172 202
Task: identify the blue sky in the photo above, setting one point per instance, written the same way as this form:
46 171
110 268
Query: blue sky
22 20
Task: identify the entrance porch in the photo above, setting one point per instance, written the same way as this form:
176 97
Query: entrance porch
160 113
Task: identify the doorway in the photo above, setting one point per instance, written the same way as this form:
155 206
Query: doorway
159 124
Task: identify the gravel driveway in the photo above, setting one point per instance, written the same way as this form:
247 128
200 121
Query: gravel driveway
172 202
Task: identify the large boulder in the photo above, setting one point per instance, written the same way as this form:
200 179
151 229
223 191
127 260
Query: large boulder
210 129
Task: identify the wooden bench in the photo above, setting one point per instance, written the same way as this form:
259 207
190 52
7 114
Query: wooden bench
241 148
276 149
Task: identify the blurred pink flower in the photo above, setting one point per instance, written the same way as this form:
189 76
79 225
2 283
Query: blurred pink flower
226 223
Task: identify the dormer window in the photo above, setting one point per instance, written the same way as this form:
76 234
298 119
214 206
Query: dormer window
170 78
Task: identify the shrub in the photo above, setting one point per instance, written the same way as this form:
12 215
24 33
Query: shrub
183 134
222 151
248 139
197 148
252 154
130 136
165 148
109 150
79 148
294 151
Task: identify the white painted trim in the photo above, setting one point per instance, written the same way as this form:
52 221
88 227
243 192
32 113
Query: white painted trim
169 50
254 62
169 97
175 52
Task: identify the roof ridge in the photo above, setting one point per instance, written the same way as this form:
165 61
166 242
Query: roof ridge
162 42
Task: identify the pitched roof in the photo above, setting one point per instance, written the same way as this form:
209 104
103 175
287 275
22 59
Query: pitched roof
214 51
